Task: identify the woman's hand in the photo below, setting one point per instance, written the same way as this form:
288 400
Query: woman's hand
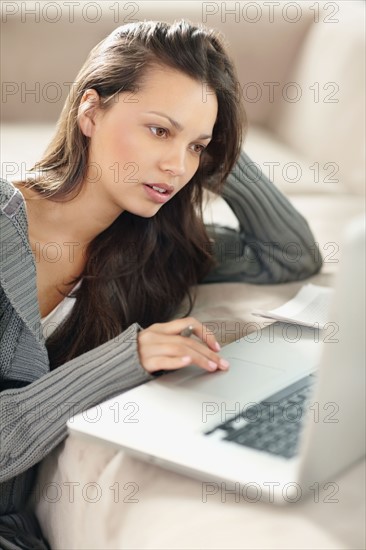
161 347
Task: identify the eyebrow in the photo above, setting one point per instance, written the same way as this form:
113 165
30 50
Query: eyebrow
176 124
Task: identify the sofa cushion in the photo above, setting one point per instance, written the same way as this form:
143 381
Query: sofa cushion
327 122
292 171
43 76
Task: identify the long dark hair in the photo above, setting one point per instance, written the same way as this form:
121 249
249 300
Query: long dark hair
140 269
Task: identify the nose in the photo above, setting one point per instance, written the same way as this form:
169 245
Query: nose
174 161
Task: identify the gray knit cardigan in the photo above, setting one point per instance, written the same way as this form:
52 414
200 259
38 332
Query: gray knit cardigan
276 246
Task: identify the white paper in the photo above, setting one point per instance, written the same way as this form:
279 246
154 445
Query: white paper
310 307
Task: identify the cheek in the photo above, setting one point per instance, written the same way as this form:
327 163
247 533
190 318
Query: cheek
126 147
192 167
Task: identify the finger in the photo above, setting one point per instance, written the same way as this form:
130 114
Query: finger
180 346
203 356
199 354
158 362
198 329
175 346
205 334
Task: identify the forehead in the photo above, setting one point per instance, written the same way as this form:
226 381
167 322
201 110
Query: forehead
171 91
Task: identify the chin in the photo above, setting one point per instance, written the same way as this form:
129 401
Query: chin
148 213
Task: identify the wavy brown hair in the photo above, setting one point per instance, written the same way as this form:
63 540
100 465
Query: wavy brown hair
140 269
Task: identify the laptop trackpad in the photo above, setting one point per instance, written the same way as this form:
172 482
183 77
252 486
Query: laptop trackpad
243 381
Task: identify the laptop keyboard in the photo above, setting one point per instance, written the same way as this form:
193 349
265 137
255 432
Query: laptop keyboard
274 425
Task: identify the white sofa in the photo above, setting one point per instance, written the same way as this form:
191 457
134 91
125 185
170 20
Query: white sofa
310 133
302 79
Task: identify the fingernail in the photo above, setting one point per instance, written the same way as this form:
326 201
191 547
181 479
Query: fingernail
217 346
225 364
212 365
186 359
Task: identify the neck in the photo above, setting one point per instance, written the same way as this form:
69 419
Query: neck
79 220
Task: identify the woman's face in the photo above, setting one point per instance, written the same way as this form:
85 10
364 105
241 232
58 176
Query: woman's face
154 136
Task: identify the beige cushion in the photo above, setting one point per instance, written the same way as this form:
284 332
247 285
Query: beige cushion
290 169
333 59
56 50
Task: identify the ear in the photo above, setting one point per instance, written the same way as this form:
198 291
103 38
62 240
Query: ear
87 111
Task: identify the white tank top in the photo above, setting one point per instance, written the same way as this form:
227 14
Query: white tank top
54 318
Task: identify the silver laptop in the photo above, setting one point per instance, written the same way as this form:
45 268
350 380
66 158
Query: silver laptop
287 416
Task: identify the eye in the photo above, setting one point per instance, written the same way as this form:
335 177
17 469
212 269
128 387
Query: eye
161 132
200 148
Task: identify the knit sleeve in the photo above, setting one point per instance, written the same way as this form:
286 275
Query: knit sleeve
274 244
33 418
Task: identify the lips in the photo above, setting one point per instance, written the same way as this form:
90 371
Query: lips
168 188
157 196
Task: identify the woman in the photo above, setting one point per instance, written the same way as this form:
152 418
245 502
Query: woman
152 119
